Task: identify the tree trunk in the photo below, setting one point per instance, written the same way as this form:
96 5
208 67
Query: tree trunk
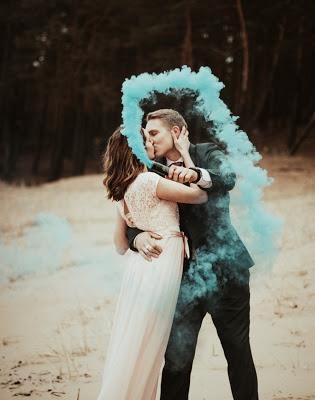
40 132
245 66
56 165
57 156
80 142
268 82
293 132
6 99
187 58
304 135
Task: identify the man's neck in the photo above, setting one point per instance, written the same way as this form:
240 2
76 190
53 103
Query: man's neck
173 155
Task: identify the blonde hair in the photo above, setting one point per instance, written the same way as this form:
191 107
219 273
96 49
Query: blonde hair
169 116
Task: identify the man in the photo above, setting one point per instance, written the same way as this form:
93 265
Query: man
216 278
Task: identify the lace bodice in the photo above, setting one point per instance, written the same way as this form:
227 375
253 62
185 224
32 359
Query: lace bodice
146 211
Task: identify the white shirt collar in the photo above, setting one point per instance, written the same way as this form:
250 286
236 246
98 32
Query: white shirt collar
168 162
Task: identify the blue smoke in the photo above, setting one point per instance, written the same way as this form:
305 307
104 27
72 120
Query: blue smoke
259 229
257 225
41 247
48 244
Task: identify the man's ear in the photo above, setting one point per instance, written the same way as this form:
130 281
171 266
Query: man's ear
176 130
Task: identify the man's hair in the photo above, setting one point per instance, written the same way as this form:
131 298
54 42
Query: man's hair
168 116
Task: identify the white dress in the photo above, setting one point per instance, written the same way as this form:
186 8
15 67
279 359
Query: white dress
147 299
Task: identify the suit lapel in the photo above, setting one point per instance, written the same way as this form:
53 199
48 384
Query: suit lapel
192 151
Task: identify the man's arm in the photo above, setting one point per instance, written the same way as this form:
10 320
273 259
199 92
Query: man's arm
216 172
132 233
203 179
220 170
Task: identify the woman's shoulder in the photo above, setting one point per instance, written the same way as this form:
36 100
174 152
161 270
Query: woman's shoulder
145 181
148 176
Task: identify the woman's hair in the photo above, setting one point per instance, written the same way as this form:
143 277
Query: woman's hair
120 165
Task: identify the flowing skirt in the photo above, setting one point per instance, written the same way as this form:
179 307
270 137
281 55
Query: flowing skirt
142 323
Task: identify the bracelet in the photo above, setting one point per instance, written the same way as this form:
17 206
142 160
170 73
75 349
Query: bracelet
198 172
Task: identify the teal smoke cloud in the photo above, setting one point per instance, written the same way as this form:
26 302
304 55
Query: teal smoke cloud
260 228
42 247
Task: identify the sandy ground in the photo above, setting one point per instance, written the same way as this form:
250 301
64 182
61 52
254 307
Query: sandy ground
60 279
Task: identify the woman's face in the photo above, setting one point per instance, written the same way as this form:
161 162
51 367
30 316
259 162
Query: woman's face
148 144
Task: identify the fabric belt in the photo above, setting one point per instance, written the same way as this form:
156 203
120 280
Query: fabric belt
178 234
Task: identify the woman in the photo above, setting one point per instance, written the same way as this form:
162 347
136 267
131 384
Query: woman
149 291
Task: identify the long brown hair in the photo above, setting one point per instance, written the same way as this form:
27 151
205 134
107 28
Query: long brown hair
120 165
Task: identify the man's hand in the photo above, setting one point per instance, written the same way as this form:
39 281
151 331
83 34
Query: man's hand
182 174
146 245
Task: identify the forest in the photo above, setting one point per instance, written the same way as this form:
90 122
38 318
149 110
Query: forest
63 63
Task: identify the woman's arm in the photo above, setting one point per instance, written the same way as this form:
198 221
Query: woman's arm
222 174
120 235
187 159
182 145
174 191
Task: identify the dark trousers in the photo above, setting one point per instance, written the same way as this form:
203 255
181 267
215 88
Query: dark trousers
227 301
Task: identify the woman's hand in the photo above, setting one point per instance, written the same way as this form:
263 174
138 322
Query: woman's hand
182 142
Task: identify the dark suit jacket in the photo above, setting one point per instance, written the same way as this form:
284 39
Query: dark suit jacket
208 226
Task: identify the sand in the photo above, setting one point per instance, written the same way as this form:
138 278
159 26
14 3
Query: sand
60 279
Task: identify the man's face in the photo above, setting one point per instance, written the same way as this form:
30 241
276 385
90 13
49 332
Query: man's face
161 137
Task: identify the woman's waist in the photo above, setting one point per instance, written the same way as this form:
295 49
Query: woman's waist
169 232
176 232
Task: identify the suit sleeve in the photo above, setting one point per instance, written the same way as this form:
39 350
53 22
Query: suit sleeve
220 170
131 234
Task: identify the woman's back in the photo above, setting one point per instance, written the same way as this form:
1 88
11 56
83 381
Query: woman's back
147 211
